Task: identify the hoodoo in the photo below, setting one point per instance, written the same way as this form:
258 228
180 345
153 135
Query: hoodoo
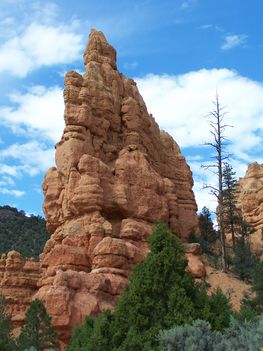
116 175
250 202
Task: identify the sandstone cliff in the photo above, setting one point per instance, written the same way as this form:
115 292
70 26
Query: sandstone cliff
250 202
18 283
117 174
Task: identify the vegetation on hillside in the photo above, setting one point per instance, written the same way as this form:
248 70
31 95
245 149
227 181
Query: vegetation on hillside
19 232
37 333
240 335
161 295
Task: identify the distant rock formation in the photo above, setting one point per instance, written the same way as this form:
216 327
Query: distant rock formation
18 283
117 174
250 202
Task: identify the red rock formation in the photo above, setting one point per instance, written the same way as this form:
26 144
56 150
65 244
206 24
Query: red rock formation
195 263
250 202
117 174
18 283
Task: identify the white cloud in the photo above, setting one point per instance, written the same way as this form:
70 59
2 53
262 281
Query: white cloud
21 160
6 181
181 103
38 116
233 41
40 45
9 170
39 112
33 156
13 192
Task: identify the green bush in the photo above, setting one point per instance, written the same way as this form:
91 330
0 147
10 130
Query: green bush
241 336
161 294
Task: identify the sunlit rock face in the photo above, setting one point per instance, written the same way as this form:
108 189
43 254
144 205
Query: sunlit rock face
250 202
116 175
18 283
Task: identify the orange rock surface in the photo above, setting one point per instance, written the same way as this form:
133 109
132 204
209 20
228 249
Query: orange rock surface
18 283
250 202
117 174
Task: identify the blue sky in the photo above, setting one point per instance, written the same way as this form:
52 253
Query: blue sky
179 52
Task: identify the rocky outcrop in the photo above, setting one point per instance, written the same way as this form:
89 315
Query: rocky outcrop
250 199
196 265
117 174
250 202
18 283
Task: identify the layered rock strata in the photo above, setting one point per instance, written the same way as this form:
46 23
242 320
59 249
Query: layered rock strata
117 174
250 199
250 202
18 283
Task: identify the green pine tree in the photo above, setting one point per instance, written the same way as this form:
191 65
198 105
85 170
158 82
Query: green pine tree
244 260
37 330
161 294
257 286
6 341
207 231
230 211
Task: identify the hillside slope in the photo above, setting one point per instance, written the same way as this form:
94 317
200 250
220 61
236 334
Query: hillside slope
19 232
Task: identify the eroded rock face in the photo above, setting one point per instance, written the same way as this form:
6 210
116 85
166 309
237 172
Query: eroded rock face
250 202
18 283
250 199
117 174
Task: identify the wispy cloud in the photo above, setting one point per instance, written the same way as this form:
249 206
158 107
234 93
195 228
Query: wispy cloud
233 41
130 65
185 4
13 192
33 157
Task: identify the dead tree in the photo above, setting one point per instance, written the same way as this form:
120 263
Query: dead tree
217 129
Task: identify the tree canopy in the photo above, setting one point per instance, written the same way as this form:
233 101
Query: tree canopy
25 234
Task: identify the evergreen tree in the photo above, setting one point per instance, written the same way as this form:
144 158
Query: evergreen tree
161 294
244 260
206 225
37 330
207 231
93 336
6 341
230 211
257 286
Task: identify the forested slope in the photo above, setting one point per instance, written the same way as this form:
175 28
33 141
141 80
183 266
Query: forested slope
19 232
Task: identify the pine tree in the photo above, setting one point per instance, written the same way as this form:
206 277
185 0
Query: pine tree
37 330
207 231
257 286
6 341
161 294
230 211
244 260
